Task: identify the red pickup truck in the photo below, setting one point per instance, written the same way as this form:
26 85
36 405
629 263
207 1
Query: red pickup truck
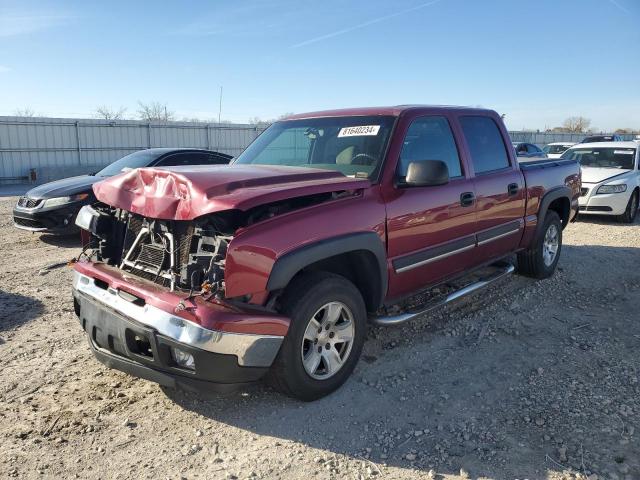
211 277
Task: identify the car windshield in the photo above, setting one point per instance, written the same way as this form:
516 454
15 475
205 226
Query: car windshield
555 148
602 157
350 145
141 158
598 138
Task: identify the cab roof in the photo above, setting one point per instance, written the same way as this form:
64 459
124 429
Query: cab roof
394 111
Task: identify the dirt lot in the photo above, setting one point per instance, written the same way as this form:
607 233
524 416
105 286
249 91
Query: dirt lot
525 380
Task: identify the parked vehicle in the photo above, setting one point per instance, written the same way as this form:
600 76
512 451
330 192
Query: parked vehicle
602 138
52 207
556 149
273 265
528 151
610 178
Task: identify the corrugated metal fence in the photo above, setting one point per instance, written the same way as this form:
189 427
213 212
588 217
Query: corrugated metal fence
543 138
59 147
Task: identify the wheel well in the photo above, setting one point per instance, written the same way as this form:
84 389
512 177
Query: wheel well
360 267
562 207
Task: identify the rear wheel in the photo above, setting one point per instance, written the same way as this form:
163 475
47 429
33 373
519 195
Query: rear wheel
541 259
631 211
325 338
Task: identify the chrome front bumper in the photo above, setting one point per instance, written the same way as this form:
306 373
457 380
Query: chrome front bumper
251 350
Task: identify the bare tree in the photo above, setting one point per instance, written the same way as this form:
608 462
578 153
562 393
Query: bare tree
155 112
24 112
577 124
109 113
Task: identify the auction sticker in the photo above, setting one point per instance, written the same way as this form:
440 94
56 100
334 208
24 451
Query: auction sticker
359 131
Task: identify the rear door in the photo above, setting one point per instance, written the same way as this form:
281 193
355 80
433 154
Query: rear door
499 187
430 229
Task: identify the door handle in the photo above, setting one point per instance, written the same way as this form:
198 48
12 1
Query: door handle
513 189
467 199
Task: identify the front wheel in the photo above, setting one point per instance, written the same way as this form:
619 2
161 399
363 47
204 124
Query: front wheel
325 338
541 258
631 211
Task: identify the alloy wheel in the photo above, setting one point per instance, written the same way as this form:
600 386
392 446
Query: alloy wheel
328 340
550 245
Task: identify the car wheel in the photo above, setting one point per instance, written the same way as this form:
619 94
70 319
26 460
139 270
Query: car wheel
325 338
541 259
631 211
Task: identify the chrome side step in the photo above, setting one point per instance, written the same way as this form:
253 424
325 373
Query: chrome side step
502 271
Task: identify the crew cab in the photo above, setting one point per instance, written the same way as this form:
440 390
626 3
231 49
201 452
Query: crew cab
611 178
273 266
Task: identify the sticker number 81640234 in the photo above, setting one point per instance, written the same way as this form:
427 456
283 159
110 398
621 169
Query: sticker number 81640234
359 131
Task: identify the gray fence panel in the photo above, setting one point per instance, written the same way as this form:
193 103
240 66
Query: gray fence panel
58 147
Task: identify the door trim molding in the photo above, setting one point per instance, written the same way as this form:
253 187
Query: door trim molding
433 254
463 244
498 232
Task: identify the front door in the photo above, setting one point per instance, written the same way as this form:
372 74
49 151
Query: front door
430 229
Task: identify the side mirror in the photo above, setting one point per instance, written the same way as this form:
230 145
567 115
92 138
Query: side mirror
427 173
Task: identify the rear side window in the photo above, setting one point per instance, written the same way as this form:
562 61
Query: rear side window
430 138
488 152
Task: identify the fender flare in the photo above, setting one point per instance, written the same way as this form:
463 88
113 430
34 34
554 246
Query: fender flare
547 198
289 264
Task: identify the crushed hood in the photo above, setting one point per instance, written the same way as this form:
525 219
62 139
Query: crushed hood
597 175
184 193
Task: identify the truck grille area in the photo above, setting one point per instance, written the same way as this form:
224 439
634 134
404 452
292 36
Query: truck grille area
177 255
152 256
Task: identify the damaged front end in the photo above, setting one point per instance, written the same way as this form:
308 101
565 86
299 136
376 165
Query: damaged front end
181 255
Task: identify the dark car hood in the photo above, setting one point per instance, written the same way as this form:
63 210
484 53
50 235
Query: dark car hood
184 193
64 187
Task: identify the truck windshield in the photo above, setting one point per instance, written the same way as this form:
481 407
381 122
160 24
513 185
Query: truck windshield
350 145
602 157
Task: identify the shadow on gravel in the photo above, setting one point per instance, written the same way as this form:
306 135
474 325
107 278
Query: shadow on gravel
523 381
63 241
16 310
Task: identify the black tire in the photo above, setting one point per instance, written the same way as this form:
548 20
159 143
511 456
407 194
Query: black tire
531 262
631 211
303 298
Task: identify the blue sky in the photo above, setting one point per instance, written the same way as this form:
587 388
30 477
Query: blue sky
536 61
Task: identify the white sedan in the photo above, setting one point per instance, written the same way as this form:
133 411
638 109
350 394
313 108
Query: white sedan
610 178
556 149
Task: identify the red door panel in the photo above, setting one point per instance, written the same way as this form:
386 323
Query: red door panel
500 198
431 242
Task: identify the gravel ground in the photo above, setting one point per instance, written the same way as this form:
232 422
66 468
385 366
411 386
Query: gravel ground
525 380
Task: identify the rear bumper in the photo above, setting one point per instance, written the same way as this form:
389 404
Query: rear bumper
144 340
54 220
